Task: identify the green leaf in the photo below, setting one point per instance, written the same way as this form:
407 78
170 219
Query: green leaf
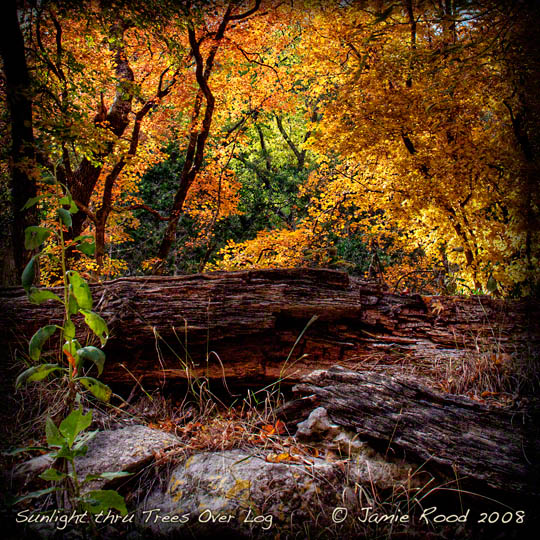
67 199
34 495
52 475
88 248
31 202
49 179
54 437
65 217
106 476
94 355
34 236
83 237
69 330
36 373
16 451
28 274
82 439
96 324
102 500
78 452
38 340
66 453
38 296
74 423
73 307
97 388
81 290
72 347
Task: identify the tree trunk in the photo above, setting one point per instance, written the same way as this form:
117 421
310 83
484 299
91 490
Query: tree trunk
244 325
22 158
491 446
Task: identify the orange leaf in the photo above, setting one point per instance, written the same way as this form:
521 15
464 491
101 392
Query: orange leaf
277 458
72 361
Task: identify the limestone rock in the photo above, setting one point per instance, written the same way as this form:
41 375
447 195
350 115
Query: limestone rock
25 473
126 449
244 495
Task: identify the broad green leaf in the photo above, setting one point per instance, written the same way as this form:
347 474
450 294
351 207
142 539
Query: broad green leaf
38 296
28 274
83 438
34 236
66 453
97 388
34 495
94 355
74 423
86 244
73 307
88 248
106 476
36 373
83 237
96 324
65 217
79 452
102 500
49 179
54 437
80 290
38 340
69 329
17 451
52 475
31 202
73 208
72 347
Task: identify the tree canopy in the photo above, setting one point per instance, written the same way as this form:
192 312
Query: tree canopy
396 140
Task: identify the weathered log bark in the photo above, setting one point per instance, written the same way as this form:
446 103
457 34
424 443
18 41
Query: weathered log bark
493 446
243 325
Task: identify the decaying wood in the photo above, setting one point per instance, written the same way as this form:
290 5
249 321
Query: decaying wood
496 447
243 325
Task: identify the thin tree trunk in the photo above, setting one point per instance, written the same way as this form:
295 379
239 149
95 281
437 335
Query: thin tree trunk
19 98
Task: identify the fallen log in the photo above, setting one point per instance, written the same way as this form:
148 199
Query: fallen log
245 325
466 439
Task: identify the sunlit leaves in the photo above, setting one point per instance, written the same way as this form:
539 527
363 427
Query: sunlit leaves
96 324
80 290
98 389
36 373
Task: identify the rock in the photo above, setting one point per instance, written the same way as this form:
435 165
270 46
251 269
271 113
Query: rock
244 495
26 473
366 465
126 449
318 430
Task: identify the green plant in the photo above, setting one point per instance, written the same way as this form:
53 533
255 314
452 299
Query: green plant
68 441
65 443
76 299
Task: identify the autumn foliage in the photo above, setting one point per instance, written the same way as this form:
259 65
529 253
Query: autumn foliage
395 140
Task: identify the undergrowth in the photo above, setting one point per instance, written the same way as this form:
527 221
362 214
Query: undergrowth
204 421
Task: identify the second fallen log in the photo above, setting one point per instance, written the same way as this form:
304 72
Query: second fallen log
494 447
